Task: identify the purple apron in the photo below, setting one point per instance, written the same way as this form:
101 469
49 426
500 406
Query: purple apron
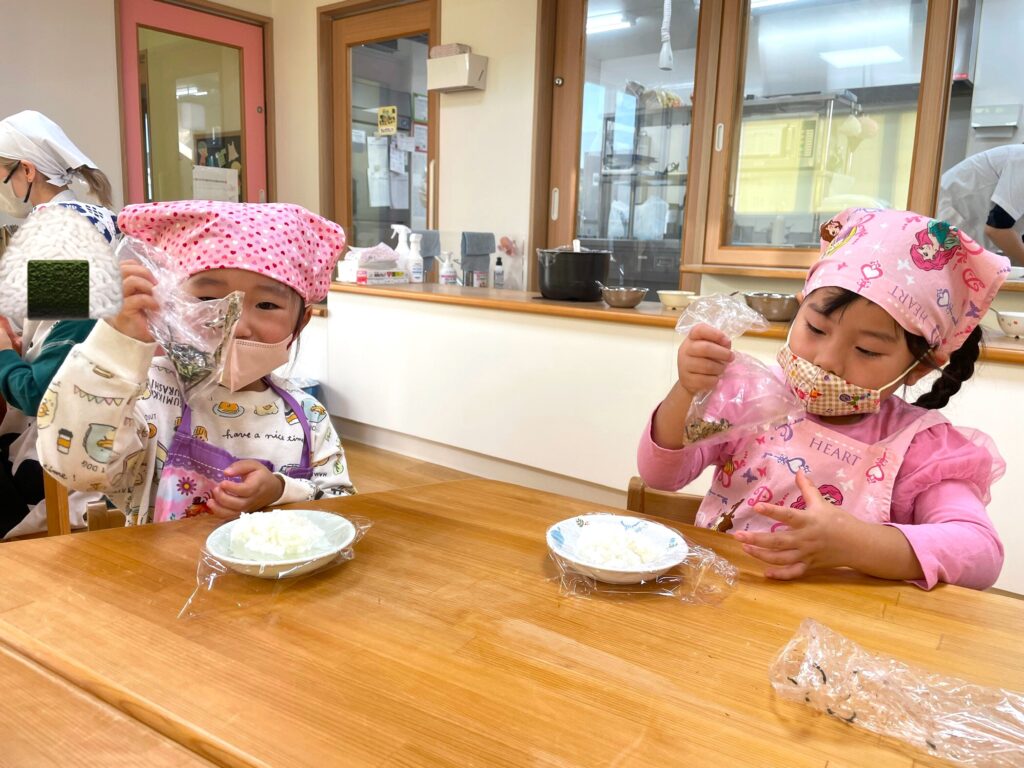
194 467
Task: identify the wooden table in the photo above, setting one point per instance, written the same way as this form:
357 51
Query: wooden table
443 643
46 721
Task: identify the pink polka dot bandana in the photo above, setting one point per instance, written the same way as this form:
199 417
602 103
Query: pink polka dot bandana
930 276
280 240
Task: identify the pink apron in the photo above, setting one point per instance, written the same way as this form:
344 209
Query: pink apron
856 476
194 467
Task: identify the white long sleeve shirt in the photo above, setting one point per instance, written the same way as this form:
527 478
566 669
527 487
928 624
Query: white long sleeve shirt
110 414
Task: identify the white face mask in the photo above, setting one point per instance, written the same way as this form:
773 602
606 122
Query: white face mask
11 204
247 361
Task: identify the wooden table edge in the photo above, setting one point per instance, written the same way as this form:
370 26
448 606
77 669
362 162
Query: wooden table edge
140 709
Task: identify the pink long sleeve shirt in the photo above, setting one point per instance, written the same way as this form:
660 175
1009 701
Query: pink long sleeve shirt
938 500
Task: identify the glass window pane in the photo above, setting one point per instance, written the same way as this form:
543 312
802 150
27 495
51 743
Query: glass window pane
388 172
191 93
829 115
635 138
983 158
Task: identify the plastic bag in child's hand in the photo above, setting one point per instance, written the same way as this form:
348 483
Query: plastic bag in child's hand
749 396
194 334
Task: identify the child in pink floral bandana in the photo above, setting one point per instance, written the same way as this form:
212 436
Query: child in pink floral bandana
115 420
864 479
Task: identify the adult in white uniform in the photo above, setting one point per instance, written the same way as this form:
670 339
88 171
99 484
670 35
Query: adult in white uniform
37 164
984 196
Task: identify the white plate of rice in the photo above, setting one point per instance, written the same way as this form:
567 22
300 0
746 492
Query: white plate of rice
617 549
281 543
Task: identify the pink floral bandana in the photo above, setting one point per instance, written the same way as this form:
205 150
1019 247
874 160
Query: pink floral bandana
931 277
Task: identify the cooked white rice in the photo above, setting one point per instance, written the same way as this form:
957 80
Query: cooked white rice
612 547
278 535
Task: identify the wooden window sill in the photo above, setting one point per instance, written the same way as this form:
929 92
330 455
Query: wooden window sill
999 348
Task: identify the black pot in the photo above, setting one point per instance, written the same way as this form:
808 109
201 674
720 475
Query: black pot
568 275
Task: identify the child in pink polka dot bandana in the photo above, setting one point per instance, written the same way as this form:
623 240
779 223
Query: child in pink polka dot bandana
859 478
120 424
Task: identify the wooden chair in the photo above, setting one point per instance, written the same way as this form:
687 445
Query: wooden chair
58 510
680 507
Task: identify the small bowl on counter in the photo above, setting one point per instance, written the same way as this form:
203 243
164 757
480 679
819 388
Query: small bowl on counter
776 307
676 299
624 298
1011 323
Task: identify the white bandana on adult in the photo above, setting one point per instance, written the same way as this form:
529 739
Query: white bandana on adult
32 136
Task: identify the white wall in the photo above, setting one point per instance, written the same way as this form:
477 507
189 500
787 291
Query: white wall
58 57
486 152
565 398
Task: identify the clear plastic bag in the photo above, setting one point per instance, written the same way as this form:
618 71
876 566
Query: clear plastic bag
749 397
694 575
944 716
193 334
226 582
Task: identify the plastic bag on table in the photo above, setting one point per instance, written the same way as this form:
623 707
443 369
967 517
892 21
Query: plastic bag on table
945 716
748 397
194 334
592 552
259 555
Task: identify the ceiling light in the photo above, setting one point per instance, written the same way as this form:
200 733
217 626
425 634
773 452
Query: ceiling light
861 57
608 22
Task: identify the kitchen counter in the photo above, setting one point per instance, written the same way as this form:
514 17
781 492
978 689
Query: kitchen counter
998 347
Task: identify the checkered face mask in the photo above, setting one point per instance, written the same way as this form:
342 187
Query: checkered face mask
826 394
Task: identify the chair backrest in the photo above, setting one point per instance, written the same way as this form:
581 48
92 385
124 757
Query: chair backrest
58 510
99 516
680 507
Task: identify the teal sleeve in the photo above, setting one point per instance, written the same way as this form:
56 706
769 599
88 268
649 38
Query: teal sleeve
23 384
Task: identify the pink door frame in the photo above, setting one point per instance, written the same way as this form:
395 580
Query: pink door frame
217 29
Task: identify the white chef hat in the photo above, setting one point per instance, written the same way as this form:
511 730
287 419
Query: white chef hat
32 136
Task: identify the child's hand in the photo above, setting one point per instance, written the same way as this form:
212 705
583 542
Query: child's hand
702 358
137 282
820 536
258 488
8 338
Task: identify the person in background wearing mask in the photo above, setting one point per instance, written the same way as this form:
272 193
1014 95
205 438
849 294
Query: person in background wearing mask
256 440
38 162
985 193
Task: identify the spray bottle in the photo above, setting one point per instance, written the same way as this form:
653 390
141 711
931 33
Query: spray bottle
499 274
447 276
402 233
415 259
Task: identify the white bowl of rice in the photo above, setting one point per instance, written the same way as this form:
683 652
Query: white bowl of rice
616 549
281 543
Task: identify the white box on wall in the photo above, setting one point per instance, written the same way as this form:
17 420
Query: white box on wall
464 72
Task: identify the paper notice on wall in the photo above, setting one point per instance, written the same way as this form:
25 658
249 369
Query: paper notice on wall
419 137
399 191
377 153
397 164
406 143
377 174
214 183
358 136
380 188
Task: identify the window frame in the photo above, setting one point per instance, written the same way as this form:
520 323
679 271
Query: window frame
717 110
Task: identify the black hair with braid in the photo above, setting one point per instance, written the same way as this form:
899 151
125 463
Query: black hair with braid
958 370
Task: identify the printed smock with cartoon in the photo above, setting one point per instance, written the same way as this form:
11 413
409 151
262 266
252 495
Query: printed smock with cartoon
111 413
